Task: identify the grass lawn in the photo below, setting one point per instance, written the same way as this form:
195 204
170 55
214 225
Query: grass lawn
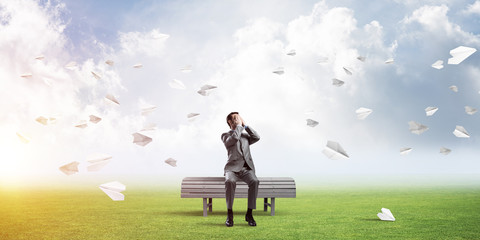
316 213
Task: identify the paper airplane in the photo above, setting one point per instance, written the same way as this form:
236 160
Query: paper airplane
110 62
453 88
438 64
113 189
112 98
205 89
96 75
157 35
39 57
323 60
186 69
309 112
26 75
138 65
334 151
22 138
337 82
82 124
405 151
98 161
429 111
71 65
95 119
42 120
149 127
460 132
148 110
52 120
363 113
389 61
347 70
177 84
191 115
292 53
172 162
311 123
417 128
141 139
459 54
279 71
386 215
70 168
445 151
470 110
361 58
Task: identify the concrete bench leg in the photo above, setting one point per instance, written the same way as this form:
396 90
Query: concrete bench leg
272 207
205 207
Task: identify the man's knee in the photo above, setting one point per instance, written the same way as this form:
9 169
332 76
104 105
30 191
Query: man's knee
254 182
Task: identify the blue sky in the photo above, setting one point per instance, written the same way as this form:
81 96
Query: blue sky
236 45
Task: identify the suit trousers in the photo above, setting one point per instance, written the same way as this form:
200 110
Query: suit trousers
249 177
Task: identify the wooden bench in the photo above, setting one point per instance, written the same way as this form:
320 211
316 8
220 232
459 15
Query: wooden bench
214 187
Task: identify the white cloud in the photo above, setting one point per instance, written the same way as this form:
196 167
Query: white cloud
473 8
148 43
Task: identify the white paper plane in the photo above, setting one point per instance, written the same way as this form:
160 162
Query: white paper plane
71 65
389 61
82 124
460 132
279 71
95 119
429 111
460 53
438 64
26 75
148 110
40 57
361 58
186 69
292 52
113 189
311 123
177 84
334 151
445 151
149 127
191 115
112 98
363 113
386 215
96 75
323 60
405 151
42 120
141 139
470 110
205 89
347 70
337 82
453 88
157 35
417 128
172 162
22 138
97 162
70 168
138 65
110 62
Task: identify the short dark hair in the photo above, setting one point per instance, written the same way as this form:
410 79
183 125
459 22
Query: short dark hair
229 117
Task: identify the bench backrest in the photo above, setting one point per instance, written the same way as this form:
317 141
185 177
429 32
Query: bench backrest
214 187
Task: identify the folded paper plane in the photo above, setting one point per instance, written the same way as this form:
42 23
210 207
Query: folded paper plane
470 110
148 110
186 69
361 58
172 162
363 113
405 151
460 53
192 115
438 64
22 138
96 75
322 60
42 120
460 132
453 88
417 128
40 57
334 151
177 84
292 52
70 168
95 119
71 65
110 62
429 111
205 89
149 127
389 61
386 215
113 189
348 71
141 139
138 65
97 162
337 82
311 123
82 124
26 75
279 71
445 151
112 98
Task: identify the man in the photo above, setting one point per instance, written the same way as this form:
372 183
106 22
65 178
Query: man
240 165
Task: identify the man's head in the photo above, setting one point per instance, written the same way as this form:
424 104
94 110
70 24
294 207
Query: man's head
230 118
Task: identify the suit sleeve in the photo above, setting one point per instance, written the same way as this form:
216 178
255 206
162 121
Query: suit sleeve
253 135
230 139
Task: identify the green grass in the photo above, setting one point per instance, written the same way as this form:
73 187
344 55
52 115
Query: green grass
316 213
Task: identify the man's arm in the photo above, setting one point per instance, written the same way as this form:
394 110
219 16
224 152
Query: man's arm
230 140
253 135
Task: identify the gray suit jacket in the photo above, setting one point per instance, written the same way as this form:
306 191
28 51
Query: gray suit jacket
238 148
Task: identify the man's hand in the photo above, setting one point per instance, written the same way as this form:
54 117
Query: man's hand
243 122
237 119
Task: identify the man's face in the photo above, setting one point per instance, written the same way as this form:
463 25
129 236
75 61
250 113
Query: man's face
233 122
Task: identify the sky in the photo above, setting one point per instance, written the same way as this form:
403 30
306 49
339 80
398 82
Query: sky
236 46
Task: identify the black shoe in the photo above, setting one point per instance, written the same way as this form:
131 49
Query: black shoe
229 222
250 220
